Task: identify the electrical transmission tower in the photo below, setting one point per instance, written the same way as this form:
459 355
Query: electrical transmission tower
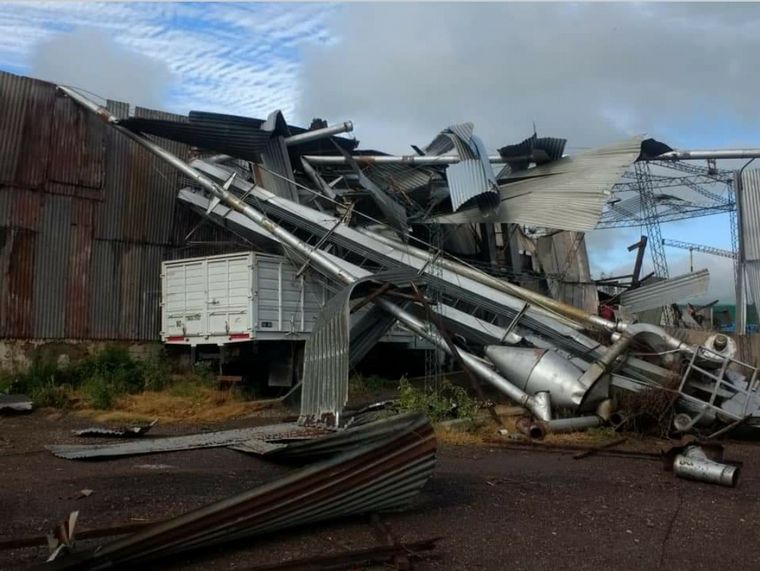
434 357
699 248
652 222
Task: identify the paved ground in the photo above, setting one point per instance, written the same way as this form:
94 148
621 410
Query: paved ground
495 508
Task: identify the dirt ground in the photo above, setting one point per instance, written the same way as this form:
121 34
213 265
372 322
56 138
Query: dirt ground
493 507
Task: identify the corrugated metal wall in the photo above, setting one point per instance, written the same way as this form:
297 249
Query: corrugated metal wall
86 217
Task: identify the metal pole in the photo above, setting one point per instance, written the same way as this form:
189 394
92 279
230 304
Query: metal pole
396 159
740 320
323 263
316 134
707 154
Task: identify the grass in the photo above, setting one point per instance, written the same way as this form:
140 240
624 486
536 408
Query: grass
112 386
196 405
365 386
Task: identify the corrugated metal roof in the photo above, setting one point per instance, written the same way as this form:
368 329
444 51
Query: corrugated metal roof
665 292
750 205
568 194
467 181
241 137
275 158
750 220
400 177
442 143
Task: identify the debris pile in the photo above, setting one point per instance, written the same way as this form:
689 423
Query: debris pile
362 222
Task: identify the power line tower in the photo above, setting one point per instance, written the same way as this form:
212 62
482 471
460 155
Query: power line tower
652 222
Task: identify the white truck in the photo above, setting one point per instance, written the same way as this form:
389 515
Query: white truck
233 298
247 311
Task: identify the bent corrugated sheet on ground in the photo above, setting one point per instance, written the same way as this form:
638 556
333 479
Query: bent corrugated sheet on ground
174 443
382 475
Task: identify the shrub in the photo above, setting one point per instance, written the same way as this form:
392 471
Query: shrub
156 371
450 401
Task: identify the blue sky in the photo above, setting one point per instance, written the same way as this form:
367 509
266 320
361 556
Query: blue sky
682 73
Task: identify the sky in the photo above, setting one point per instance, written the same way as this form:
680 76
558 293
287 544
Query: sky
592 73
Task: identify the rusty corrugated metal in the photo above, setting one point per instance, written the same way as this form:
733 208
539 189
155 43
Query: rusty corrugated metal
105 301
80 256
77 281
52 262
17 262
153 191
110 210
77 150
24 138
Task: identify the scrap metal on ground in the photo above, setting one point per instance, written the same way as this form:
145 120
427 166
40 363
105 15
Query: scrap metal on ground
15 403
376 474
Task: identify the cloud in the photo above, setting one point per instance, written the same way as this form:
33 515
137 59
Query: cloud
231 58
89 59
589 72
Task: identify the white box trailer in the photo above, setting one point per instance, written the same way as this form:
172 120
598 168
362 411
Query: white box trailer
234 298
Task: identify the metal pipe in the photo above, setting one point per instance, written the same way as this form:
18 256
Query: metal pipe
694 464
541 301
532 297
572 424
345 127
320 261
393 159
707 154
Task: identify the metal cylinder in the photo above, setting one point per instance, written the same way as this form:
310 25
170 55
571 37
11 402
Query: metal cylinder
575 424
316 134
617 419
693 464
393 159
537 370
537 431
682 422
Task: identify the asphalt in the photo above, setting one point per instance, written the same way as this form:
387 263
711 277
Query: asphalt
493 507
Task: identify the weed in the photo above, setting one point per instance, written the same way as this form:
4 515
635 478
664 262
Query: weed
363 386
203 373
450 401
156 371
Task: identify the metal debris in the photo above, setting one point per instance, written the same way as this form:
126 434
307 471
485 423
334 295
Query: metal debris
703 463
589 352
382 475
175 443
665 292
123 432
15 403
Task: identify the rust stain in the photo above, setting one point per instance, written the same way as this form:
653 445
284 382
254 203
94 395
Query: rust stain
77 281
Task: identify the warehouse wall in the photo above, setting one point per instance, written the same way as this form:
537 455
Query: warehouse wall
86 217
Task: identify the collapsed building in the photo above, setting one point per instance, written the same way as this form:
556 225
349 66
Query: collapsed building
480 255
435 242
